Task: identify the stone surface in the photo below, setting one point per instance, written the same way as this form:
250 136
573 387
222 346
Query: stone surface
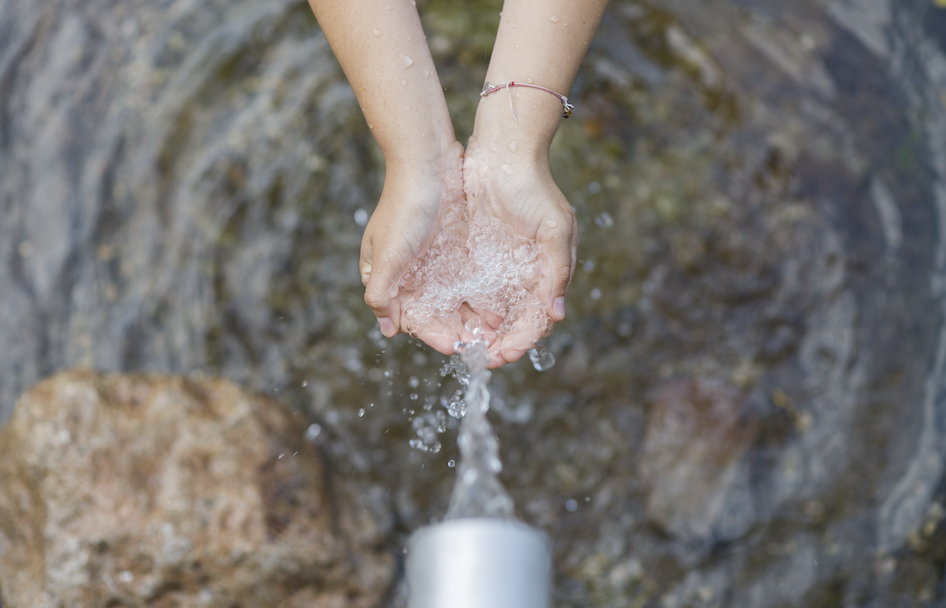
696 435
138 490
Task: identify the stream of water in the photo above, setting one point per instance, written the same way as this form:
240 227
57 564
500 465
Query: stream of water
478 491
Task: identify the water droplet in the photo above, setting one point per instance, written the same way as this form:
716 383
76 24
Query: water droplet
280 456
361 218
595 294
361 412
376 32
507 168
572 505
387 6
554 19
404 83
513 146
406 61
588 266
604 220
413 382
530 81
451 463
426 73
540 356
551 223
517 46
305 383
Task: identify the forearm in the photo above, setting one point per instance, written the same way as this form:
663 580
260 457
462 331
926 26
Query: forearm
380 45
537 43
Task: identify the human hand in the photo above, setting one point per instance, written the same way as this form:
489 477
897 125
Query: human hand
408 215
521 194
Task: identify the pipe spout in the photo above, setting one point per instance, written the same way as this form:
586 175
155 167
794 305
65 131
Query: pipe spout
479 563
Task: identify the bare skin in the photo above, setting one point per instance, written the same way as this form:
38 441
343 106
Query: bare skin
389 66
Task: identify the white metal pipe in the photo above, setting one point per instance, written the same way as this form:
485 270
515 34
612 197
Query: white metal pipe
479 563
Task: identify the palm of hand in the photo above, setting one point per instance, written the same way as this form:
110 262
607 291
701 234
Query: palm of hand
525 198
411 213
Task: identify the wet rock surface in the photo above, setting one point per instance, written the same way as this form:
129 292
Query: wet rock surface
761 194
134 490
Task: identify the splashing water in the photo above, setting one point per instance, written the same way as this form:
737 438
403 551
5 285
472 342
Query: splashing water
475 260
478 491
540 356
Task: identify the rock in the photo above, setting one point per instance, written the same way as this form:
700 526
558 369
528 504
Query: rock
141 490
696 435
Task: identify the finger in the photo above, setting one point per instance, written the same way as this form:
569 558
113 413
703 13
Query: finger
560 243
380 283
518 342
441 340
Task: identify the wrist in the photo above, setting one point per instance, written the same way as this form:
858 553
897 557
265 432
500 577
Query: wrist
518 123
433 158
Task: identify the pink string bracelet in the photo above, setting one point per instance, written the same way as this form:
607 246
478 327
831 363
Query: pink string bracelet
492 88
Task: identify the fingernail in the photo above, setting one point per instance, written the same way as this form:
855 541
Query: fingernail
558 306
386 326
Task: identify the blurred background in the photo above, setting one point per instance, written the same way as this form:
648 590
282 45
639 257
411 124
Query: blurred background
748 405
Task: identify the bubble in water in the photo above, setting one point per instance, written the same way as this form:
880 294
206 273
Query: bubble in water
554 19
604 220
451 463
595 294
406 61
594 187
361 217
571 505
588 265
361 412
376 32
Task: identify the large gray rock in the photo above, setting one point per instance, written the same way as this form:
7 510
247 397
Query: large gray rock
135 490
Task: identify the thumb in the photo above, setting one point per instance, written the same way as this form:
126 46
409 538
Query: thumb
380 281
560 244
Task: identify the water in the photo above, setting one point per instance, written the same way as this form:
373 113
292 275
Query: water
183 201
476 264
478 491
